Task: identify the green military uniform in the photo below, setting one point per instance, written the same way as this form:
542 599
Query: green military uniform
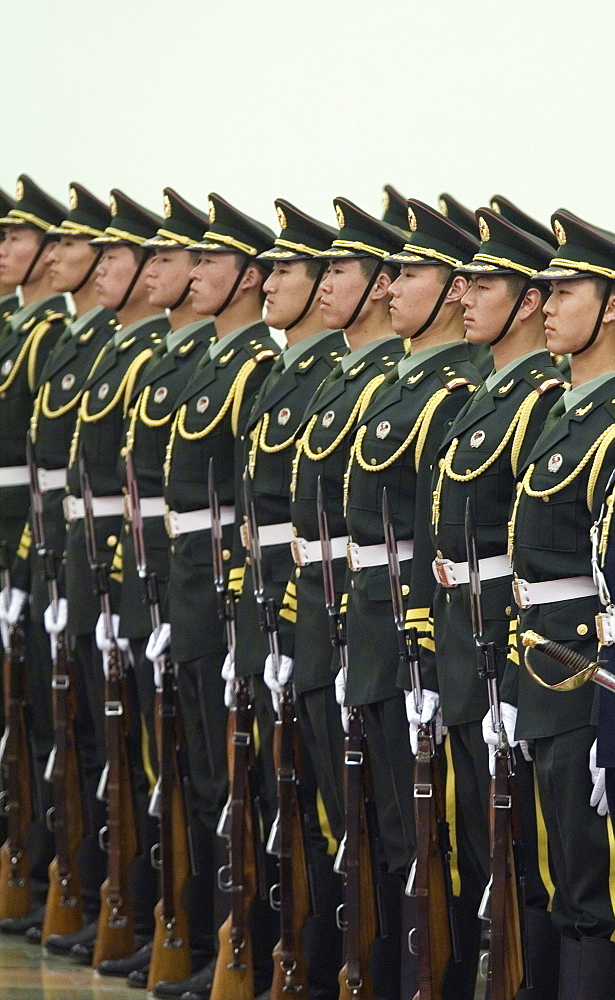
561 485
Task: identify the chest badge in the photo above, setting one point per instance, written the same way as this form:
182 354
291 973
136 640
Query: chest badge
68 382
555 462
103 392
328 418
284 416
6 367
383 429
161 394
477 439
202 403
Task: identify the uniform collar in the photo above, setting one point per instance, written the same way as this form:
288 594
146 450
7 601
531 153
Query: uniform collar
219 346
292 354
350 360
24 313
88 318
494 379
174 337
410 362
127 331
572 397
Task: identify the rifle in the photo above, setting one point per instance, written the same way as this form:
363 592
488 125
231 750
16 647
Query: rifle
508 955
357 917
170 958
292 897
437 937
234 972
115 935
63 912
17 766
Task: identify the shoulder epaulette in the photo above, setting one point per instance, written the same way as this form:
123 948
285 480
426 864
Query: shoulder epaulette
455 383
549 383
52 316
263 355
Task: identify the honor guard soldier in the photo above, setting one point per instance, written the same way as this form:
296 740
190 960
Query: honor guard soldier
9 300
561 486
209 423
355 297
479 458
395 444
161 380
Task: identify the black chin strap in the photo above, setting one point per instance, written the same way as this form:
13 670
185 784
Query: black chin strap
513 312
35 259
436 309
370 284
88 273
310 298
231 295
132 283
608 291
181 299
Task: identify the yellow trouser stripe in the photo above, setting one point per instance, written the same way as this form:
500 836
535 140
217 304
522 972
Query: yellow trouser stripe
325 828
543 846
147 761
609 826
451 815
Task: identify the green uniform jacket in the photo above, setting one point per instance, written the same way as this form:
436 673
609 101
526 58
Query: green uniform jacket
273 424
411 416
99 432
324 450
214 407
29 336
164 378
515 412
8 305
551 542
52 427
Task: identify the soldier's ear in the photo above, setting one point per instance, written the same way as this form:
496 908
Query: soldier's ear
609 312
458 289
532 303
381 285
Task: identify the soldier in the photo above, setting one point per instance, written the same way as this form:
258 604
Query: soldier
209 421
395 444
355 296
9 300
120 284
479 458
561 483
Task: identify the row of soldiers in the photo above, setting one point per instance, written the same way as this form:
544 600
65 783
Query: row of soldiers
425 359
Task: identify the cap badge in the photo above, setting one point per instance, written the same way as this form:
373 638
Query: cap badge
477 439
73 200
113 205
212 211
386 201
281 217
555 462
339 215
328 418
443 207
284 416
483 230
68 382
6 367
103 392
412 223
20 191
202 403
161 394
167 207
560 232
383 429
496 207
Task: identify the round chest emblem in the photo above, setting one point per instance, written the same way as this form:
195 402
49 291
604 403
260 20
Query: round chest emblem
284 415
202 403
555 462
477 439
6 367
103 392
68 381
328 418
383 429
161 394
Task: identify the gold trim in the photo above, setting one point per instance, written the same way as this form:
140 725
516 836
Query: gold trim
357 245
176 237
503 262
426 252
583 265
301 247
229 241
18 218
112 235
69 228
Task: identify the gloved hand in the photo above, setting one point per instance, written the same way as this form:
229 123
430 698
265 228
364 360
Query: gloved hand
598 796
276 679
57 624
228 676
431 705
105 644
508 714
158 665
340 697
158 641
11 609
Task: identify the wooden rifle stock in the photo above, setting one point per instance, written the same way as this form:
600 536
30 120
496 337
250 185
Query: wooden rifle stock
115 936
14 864
234 972
506 949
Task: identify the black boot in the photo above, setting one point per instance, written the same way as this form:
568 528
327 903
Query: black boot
544 957
124 966
597 969
199 983
61 944
569 962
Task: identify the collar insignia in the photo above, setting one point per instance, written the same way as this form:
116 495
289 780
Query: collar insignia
582 410
505 388
186 347
227 357
355 371
413 379
307 362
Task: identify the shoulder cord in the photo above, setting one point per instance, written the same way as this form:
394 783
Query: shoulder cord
125 385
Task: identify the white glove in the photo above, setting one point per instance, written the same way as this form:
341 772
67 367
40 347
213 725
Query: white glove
228 676
102 641
158 641
431 705
276 679
340 697
11 610
598 796
508 714
229 694
54 626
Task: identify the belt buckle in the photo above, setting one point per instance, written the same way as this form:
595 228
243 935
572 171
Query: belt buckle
170 523
244 531
442 568
42 480
521 592
298 547
353 557
605 626
69 506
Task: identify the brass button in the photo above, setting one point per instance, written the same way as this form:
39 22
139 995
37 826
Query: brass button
508 610
173 550
373 461
127 529
123 452
468 472
405 589
546 499
248 561
448 598
582 629
226 554
319 450
295 532
352 584
112 540
297 573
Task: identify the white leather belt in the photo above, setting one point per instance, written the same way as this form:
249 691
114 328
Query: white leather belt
150 507
194 520
451 574
51 479
270 534
74 509
305 552
14 475
361 556
550 591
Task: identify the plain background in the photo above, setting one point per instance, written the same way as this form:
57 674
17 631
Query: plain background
307 100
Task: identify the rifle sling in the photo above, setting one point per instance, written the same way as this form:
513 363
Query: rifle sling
167 780
240 809
501 818
117 882
354 815
17 755
424 809
289 814
61 693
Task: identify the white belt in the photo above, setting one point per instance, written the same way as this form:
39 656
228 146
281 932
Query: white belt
14 475
361 556
150 507
74 509
451 574
270 534
305 552
51 479
194 520
550 591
